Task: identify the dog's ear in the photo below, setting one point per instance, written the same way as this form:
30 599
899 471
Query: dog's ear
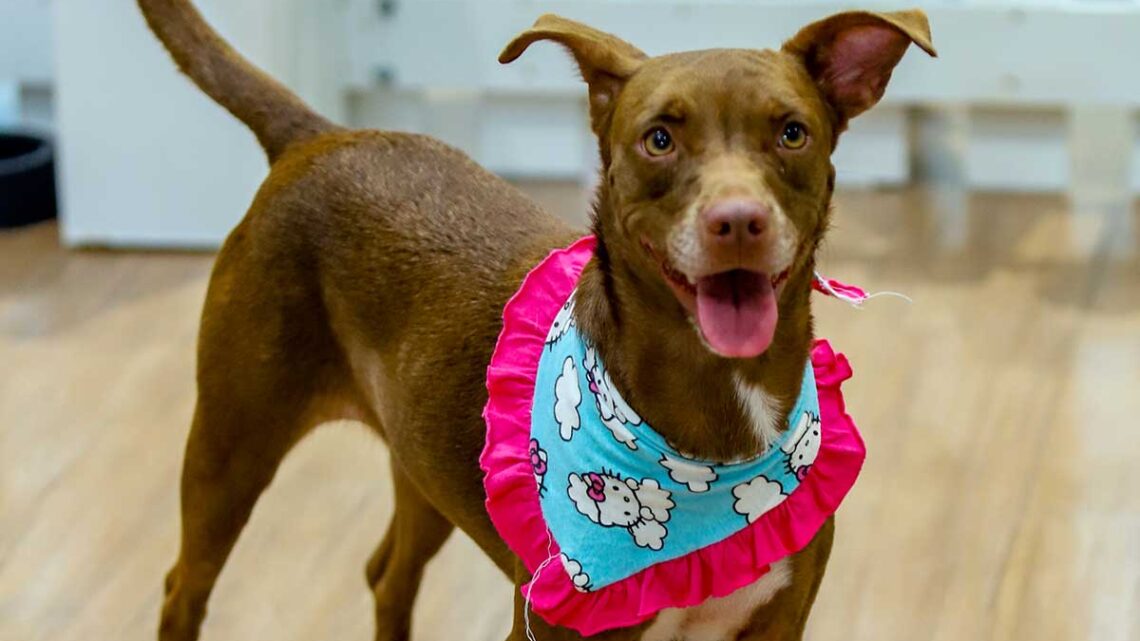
851 55
606 61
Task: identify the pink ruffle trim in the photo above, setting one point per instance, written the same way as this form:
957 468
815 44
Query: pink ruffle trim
716 570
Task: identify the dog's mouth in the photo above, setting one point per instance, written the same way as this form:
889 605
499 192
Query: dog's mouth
735 310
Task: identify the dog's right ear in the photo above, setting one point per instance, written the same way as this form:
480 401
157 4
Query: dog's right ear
606 61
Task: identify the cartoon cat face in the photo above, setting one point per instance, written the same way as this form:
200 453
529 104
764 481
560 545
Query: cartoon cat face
640 507
803 446
615 413
610 404
616 500
562 323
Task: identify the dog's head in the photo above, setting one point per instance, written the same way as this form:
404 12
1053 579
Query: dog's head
716 164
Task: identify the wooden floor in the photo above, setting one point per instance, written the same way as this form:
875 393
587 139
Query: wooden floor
1001 499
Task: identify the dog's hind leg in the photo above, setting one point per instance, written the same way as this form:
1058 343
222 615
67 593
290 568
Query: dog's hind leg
268 373
415 534
231 457
227 466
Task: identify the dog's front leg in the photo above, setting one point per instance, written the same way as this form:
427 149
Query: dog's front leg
785 616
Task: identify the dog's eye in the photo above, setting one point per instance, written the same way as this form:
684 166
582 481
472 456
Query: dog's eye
794 136
658 142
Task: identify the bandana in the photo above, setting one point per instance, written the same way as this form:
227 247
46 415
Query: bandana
614 523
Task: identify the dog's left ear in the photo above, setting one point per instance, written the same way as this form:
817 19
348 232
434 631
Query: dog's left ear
851 55
605 61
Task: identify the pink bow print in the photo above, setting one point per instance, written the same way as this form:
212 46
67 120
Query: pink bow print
597 490
536 461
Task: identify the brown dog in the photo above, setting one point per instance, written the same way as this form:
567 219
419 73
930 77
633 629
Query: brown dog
368 279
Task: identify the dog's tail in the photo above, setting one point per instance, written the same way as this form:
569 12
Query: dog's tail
277 117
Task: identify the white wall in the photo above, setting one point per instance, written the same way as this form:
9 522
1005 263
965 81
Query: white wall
25 41
147 159
1016 66
25 64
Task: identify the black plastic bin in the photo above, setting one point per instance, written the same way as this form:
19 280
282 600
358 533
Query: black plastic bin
27 180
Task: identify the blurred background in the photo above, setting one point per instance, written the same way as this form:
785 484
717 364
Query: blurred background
995 185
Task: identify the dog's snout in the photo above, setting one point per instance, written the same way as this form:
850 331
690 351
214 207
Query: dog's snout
736 221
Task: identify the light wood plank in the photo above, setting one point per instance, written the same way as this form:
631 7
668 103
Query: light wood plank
999 500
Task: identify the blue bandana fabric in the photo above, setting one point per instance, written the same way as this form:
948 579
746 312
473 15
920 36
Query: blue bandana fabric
616 497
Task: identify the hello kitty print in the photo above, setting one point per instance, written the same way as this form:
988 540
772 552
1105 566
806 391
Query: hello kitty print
615 496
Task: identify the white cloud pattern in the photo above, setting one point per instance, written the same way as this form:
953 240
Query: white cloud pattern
567 398
689 473
580 579
755 497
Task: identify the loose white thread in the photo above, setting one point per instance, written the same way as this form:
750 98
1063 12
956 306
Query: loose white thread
894 294
856 301
550 556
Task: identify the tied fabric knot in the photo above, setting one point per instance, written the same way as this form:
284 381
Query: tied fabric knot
850 294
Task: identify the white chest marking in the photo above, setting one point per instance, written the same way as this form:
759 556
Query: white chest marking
723 618
761 410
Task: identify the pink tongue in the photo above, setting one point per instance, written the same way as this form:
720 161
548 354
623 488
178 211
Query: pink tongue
737 313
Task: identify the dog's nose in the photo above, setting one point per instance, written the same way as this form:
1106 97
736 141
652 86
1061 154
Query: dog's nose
736 221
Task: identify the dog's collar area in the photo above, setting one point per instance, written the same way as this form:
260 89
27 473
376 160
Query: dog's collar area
850 294
615 495
602 511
